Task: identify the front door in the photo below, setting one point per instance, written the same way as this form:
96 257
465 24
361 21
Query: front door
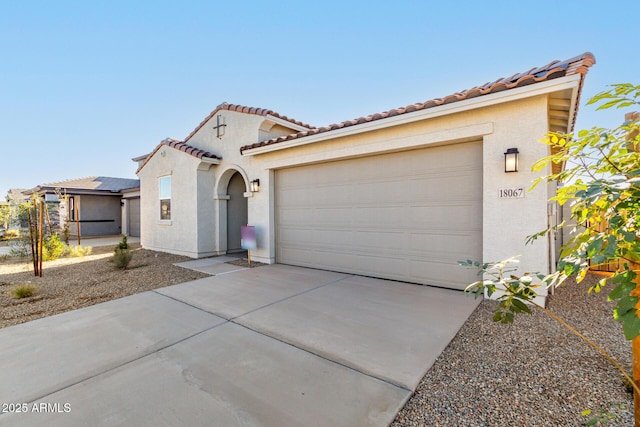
236 212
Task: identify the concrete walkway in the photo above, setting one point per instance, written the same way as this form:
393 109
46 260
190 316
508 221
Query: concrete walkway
214 265
273 346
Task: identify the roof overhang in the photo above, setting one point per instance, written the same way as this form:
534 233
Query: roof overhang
73 191
571 82
205 157
285 123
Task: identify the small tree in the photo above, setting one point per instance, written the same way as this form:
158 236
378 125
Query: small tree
602 185
122 254
5 215
122 244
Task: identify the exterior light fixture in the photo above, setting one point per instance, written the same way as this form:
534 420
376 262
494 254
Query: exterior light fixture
255 185
511 160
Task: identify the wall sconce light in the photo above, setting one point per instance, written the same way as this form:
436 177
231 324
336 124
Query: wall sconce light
255 186
511 160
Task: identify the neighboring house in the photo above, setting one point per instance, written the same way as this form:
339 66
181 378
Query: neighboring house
15 197
404 194
99 206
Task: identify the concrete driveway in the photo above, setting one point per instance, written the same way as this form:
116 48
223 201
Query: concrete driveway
273 346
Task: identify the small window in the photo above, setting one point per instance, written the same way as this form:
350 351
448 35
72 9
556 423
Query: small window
165 197
72 209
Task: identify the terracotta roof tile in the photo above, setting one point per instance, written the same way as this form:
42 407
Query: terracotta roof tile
555 69
247 110
180 145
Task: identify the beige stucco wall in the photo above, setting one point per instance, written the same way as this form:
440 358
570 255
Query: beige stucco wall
199 205
180 234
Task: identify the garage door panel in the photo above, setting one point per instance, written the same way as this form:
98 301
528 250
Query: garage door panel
451 188
329 260
380 217
460 245
449 216
449 274
379 242
405 216
320 217
330 237
319 238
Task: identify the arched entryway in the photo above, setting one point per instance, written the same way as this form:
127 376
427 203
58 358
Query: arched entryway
236 211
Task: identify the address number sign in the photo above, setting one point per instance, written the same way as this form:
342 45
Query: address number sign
511 193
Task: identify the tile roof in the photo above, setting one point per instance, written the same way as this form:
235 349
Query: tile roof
555 69
179 145
247 110
17 194
93 183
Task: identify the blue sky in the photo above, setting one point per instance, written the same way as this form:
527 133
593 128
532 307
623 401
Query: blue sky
85 86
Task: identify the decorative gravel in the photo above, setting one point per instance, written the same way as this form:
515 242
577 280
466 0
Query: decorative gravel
70 283
530 373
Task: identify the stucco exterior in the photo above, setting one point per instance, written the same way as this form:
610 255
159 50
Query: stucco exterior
199 195
101 204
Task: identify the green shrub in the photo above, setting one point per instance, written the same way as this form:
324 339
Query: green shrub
24 290
20 247
122 244
79 251
122 258
65 232
53 248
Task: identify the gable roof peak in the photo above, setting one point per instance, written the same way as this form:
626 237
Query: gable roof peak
247 110
180 146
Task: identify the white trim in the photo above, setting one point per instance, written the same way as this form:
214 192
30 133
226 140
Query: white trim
285 123
572 111
555 85
210 161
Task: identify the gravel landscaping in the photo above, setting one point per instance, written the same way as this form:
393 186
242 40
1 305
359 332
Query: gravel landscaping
70 283
531 373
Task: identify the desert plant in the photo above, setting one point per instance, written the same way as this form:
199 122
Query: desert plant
122 244
24 290
20 247
65 232
79 251
53 248
122 258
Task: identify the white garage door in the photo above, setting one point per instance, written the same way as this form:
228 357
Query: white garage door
408 216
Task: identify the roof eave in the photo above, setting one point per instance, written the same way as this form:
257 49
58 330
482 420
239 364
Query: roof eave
568 82
285 123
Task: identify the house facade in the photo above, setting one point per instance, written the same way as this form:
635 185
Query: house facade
94 206
403 195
